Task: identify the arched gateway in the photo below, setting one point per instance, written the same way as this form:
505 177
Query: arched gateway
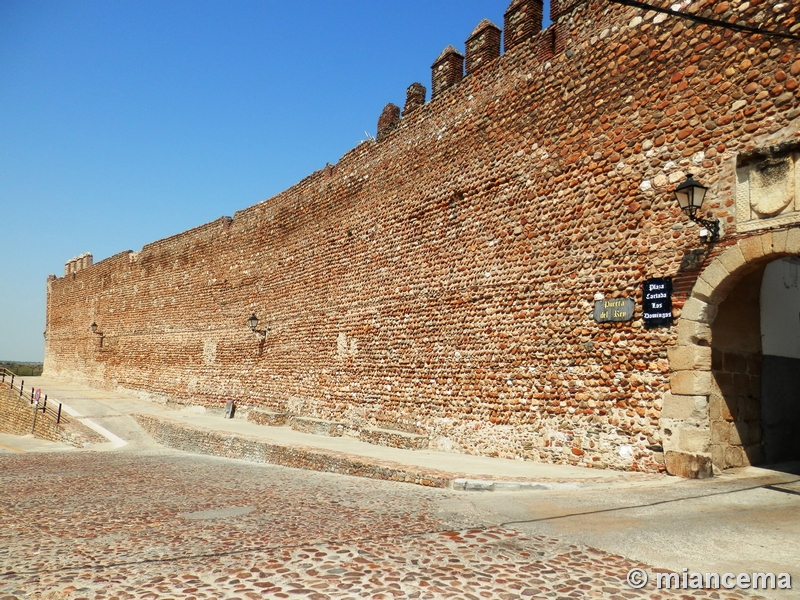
735 370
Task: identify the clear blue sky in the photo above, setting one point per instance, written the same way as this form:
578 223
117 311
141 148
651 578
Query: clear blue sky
123 122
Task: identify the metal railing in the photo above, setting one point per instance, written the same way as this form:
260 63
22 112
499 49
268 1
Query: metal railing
37 401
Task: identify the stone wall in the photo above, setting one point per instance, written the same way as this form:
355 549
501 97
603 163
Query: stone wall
16 418
441 280
734 403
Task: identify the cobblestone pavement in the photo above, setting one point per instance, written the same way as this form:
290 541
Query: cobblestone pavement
119 525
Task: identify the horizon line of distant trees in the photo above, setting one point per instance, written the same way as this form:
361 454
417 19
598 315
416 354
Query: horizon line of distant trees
28 369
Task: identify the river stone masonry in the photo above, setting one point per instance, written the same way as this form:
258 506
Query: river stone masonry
444 275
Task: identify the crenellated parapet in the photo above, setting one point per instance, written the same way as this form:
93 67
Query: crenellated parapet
415 97
522 20
447 70
78 263
389 119
483 45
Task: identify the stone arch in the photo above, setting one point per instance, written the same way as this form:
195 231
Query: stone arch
686 426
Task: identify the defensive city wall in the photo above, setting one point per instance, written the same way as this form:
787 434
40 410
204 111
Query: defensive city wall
441 279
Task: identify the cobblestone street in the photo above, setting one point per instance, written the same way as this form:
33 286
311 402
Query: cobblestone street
171 525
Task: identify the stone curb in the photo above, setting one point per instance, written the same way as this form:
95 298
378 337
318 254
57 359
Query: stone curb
483 485
193 438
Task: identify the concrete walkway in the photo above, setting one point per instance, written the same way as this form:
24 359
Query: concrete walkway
116 414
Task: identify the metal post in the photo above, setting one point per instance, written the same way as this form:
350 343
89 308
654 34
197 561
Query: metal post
58 417
12 381
21 386
35 413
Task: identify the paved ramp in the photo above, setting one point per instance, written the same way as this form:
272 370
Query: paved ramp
107 413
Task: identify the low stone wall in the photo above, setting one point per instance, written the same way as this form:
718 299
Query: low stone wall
316 426
268 418
203 441
16 418
393 438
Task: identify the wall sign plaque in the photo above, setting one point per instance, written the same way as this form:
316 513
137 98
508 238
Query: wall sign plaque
657 302
614 309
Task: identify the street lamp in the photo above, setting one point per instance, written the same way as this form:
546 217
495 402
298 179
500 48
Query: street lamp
93 327
690 195
252 323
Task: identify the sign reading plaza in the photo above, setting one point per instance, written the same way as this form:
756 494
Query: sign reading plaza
614 309
657 302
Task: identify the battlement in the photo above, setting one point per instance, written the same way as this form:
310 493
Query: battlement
522 21
78 263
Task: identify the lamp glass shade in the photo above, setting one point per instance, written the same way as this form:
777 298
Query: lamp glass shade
690 194
93 326
252 322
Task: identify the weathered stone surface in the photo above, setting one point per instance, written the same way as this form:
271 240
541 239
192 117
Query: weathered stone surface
690 466
269 418
751 248
735 456
684 407
715 274
695 439
693 332
720 432
316 426
793 241
779 239
697 310
393 438
702 290
690 383
689 357
731 259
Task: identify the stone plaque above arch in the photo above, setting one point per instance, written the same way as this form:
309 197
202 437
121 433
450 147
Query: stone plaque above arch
768 189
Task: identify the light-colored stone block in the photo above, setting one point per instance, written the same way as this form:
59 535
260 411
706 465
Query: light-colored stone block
689 357
735 457
696 310
478 485
766 243
779 241
693 332
695 439
702 290
732 259
718 408
751 248
715 274
688 465
734 435
690 383
793 241
684 407
718 456
720 432
506 486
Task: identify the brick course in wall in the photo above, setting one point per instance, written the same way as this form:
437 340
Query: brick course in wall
440 281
